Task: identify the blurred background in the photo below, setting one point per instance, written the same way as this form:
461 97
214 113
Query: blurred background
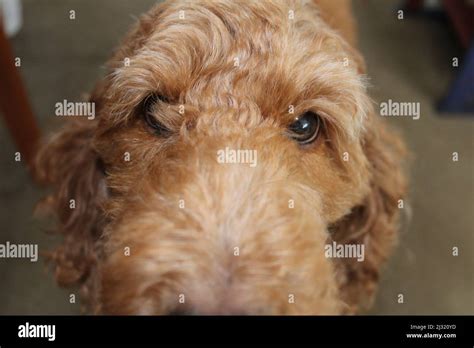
408 60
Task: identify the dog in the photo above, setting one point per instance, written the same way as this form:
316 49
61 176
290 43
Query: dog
155 221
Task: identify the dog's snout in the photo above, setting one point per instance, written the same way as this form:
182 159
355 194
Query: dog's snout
216 311
180 312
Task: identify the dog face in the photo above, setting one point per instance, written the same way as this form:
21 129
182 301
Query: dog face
233 142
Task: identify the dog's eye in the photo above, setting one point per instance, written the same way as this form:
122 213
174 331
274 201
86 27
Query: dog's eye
149 116
305 129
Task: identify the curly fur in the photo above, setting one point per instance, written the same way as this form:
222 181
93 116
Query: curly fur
190 251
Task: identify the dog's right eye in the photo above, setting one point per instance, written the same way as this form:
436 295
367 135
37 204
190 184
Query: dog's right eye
148 112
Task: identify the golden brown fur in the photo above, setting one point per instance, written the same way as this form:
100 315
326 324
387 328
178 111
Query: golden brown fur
190 250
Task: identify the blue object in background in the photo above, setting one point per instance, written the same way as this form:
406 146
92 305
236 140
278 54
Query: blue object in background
460 97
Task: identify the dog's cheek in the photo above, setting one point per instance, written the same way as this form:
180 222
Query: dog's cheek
340 177
129 155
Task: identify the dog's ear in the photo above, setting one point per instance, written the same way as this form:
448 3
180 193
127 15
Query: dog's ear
339 16
69 164
375 222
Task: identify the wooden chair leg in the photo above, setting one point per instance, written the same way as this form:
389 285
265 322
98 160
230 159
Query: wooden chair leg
14 104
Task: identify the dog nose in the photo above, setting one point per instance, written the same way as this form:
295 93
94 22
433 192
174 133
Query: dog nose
179 312
218 311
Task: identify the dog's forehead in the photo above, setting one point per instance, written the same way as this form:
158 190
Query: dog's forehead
205 38
277 54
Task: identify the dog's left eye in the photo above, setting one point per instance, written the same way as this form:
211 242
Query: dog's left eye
305 129
148 115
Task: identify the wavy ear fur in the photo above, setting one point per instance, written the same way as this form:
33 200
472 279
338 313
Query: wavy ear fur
375 222
69 164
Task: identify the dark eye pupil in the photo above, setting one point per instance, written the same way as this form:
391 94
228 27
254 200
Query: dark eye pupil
302 126
305 129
